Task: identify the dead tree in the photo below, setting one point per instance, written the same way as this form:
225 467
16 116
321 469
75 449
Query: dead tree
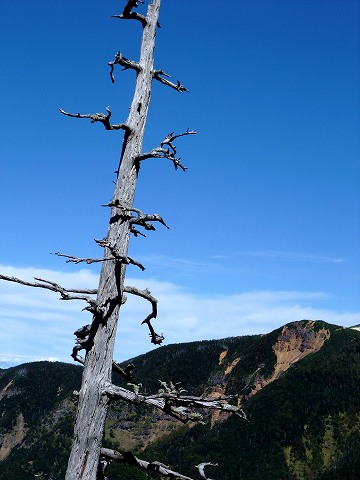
97 339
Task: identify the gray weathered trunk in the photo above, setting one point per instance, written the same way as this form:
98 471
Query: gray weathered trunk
93 402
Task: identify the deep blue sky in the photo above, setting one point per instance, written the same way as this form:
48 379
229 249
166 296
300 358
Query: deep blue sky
270 203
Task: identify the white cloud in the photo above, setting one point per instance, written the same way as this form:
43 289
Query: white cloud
36 325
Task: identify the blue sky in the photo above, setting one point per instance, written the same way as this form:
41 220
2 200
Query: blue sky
264 224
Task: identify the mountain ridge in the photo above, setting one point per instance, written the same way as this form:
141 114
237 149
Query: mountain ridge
304 374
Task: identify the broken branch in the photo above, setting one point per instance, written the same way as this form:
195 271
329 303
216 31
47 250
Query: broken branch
130 459
160 74
98 117
156 339
130 5
89 261
126 372
201 468
141 219
76 260
174 404
127 13
54 287
124 62
170 137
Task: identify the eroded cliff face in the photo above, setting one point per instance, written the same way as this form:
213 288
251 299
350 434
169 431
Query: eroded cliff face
296 341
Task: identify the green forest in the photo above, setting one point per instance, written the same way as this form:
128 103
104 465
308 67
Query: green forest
303 425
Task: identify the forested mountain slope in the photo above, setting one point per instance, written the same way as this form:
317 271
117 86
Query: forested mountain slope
299 386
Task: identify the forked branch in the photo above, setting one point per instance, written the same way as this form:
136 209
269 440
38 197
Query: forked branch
98 117
170 137
169 152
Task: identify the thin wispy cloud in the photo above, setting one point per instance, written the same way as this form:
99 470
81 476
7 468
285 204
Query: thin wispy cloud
232 262
36 325
182 264
291 256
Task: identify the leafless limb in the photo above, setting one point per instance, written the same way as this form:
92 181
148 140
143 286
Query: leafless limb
156 339
76 260
160 74
89 261
98 117
124 62
104 243
169 152
142 219
127 13
131 261
170 137
201 468
82 337
136 232
65 293
126 372
130 459
174 404
75 355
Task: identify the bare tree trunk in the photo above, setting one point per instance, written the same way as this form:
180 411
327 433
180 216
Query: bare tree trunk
93 401
98 338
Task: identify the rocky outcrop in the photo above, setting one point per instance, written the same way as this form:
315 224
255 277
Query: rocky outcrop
295 342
